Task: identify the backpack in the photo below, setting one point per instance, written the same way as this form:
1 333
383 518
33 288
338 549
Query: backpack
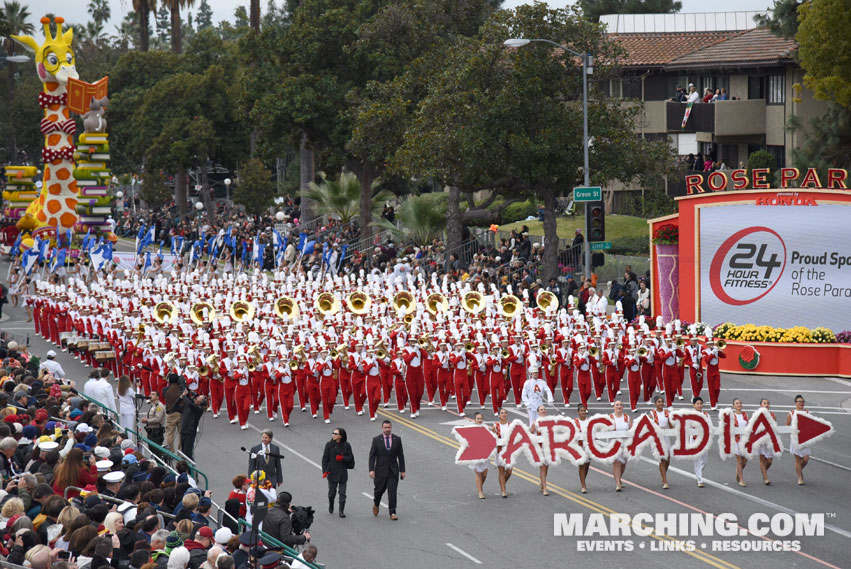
301 518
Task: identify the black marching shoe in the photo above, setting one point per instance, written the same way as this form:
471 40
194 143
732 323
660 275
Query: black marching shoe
342 507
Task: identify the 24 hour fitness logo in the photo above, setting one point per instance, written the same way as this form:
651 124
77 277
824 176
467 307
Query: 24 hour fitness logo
747 265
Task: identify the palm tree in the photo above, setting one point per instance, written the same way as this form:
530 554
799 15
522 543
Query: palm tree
421 219
340 198
14 18
176 31
254 20
99 11
143 9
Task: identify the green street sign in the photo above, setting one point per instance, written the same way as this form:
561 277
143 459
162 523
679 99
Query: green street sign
601 245
591 194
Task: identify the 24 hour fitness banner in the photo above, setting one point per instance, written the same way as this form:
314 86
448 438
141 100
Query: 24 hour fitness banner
776 265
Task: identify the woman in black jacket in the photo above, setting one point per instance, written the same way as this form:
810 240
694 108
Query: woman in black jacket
337 459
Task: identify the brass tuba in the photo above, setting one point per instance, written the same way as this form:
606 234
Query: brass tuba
286 308
473 302
359 302
241 311
546 299
165 312
404 300
509 306
196 313
327 303
435 303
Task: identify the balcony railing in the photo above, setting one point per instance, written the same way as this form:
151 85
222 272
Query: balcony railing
700 119
724 118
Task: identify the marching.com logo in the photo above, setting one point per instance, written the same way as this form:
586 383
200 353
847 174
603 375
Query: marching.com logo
761 532
747 265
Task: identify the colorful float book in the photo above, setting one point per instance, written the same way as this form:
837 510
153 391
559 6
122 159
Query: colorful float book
80 93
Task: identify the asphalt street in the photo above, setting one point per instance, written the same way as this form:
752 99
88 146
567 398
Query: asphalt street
443 523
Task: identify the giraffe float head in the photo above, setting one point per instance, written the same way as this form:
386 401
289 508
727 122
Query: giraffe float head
54 58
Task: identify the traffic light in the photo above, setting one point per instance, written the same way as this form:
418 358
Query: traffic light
595 222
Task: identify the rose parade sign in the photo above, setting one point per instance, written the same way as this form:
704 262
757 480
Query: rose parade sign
561 438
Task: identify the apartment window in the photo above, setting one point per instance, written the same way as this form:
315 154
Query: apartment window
776 89
756 87
616 88
779 153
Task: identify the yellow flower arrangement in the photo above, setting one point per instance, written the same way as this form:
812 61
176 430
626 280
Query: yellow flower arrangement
753 333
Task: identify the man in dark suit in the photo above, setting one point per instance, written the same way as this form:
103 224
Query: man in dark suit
386 466
266 457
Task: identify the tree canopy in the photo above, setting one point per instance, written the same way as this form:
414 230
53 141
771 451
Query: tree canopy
823 46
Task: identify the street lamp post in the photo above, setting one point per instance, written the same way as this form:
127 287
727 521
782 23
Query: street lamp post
587 69
227 190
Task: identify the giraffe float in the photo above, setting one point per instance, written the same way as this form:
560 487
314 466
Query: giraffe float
55 209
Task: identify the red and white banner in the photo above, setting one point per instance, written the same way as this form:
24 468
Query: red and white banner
782 266
690 436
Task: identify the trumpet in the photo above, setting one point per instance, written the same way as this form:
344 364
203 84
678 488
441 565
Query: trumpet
359 302
473 302
404 300
435 303
546 299
286 308
242 311
293 365
165 312
196 313
469 347
680 342
642 351
509 306
721 344
327 303
505 353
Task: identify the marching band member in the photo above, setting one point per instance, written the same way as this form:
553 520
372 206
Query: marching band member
458 361
612 362
227 369
802 454
397 366
648 377
534 391
344 374
386 375
500 429
699 462
693 360
669 354
479 365
356 367
581 422
444 373
496 378
413 356
480 467
286 391
597 370
313 366
327 385
711 358
582 363
633 378
564 369
661 417
766 451
271 385
373 382
429 374
242 392
622 423
257 384
740 420
517 367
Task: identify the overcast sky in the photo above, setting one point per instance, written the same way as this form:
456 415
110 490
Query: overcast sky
75 10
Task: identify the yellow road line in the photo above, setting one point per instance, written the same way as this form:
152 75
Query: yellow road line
573 497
